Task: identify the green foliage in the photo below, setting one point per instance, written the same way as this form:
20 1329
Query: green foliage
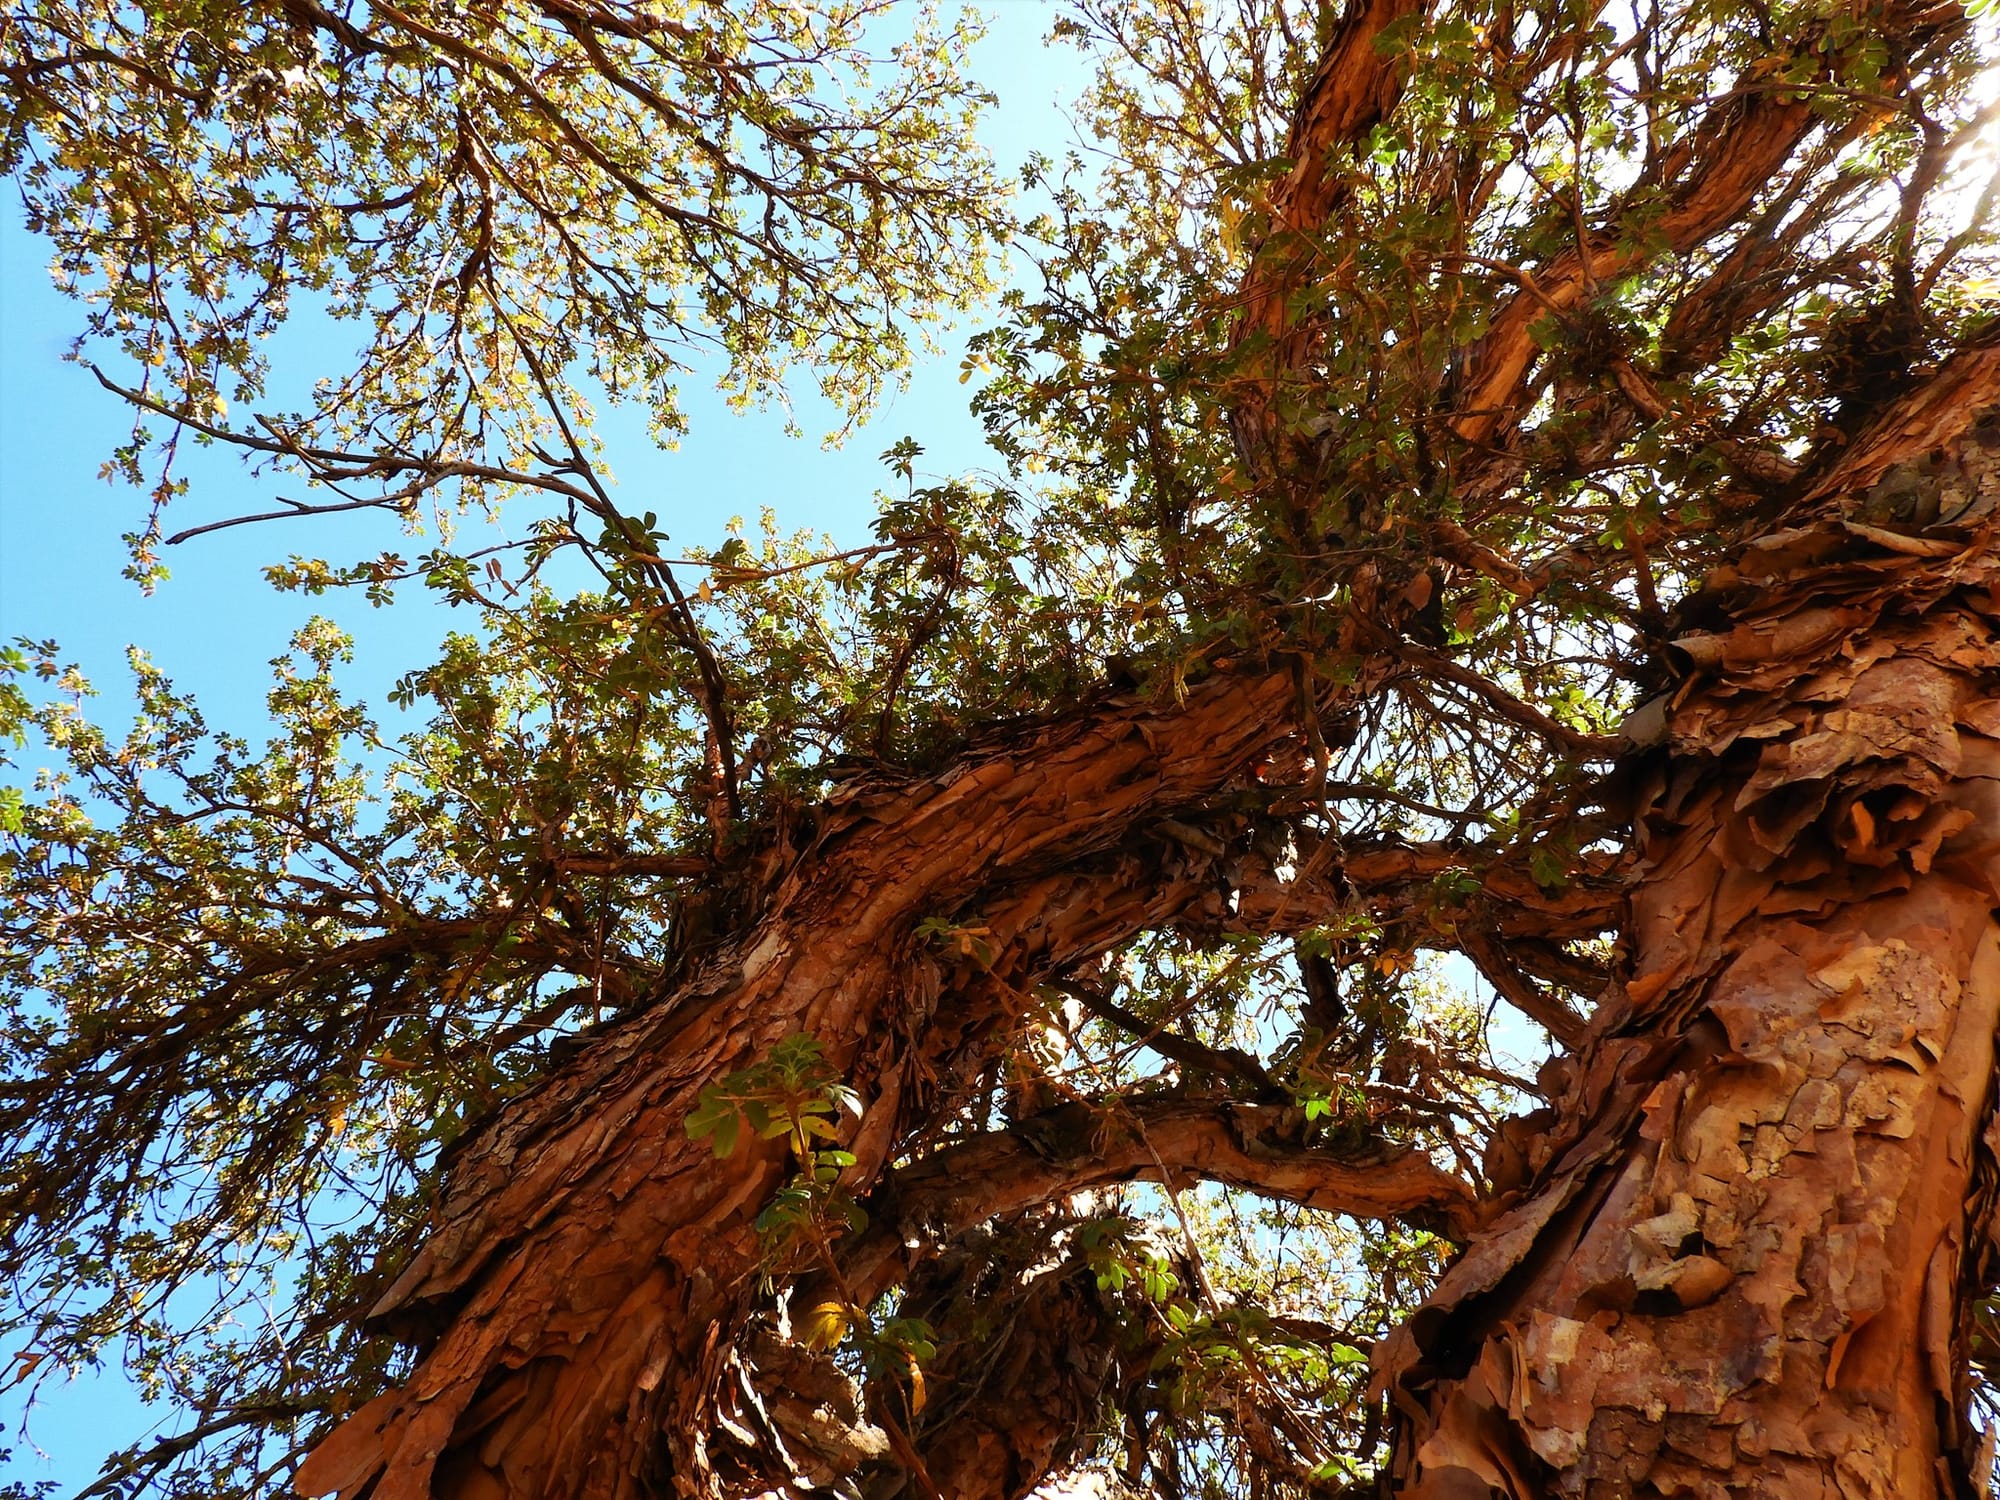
793 1093
519 210
270 983
15 1490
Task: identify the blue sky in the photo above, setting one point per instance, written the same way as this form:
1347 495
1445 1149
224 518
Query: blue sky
215 625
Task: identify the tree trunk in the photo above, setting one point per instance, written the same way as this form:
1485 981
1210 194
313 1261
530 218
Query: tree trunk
1741 1264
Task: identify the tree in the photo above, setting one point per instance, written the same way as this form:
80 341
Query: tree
1506 482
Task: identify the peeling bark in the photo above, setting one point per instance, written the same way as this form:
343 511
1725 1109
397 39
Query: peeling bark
1728 1267
1736 1265
589 1267
589 1262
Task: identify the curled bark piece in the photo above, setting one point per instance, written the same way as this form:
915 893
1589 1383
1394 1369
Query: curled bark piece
1735 1271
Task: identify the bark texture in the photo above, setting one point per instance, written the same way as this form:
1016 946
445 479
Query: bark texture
1774 1125
590 1267
1737 1264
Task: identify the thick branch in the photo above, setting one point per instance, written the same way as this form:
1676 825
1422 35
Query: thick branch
1519 990
1075 1147
1356 84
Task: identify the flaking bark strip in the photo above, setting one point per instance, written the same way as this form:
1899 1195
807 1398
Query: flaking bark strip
1737 1271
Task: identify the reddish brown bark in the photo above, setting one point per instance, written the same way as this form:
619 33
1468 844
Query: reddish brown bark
1356 84
590 1267
1738 1265
1076 1147
1742 1142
